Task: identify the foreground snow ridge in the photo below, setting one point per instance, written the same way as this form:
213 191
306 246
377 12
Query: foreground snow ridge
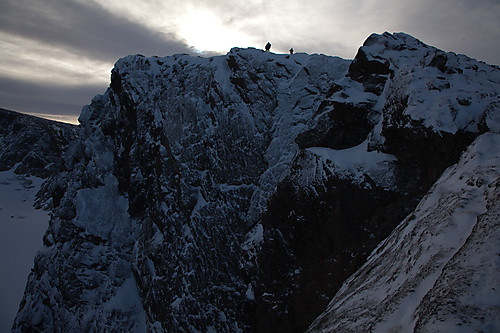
439 271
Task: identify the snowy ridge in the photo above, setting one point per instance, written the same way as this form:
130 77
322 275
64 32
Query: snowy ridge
440 242
222 194
30 148
446 91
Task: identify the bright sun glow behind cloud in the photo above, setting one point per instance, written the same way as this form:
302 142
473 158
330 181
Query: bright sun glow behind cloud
205 32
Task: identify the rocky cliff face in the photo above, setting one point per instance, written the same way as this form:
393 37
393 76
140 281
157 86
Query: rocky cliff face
238 192
342 197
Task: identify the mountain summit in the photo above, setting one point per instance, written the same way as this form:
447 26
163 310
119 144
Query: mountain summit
238 192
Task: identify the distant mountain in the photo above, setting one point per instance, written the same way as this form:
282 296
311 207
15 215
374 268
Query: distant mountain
238 192
32 145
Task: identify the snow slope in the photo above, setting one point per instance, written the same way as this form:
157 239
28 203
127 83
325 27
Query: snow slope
439 271
30 148
21 230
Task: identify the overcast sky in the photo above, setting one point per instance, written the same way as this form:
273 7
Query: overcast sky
55 55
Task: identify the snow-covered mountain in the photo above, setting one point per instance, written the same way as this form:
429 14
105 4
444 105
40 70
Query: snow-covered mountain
30 149
340 200
439 271
238 192
31 145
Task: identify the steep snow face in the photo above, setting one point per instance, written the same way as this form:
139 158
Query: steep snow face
204 161
222 187
439 270
357 163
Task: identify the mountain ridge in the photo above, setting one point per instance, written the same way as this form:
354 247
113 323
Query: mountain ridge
42 144
235 183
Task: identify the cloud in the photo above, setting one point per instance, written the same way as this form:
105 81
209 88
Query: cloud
33 61
52 49
34 98
338 27
55 55
463 26
86 28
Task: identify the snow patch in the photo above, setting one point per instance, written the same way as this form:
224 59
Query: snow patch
249 293
21 231
128 301
254 238
357 162
200 203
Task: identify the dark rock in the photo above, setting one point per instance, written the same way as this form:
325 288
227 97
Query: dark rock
439 61
342 125
372 73
315 239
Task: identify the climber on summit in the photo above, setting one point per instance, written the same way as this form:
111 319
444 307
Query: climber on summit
268 46
291 50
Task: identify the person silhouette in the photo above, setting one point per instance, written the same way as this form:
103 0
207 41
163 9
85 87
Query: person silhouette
291 50
268 46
